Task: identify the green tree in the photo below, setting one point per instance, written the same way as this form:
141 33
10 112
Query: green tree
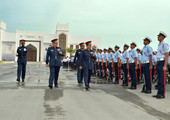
70 51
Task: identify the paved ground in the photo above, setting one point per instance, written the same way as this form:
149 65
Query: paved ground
34 101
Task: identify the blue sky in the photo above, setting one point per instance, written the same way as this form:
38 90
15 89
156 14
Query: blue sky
116 21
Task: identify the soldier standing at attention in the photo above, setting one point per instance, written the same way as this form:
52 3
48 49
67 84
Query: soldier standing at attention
162 61
125 64
86 63
133 65
139 66
104 62
110 59
117 64
147 65
22 60
54 54
77 63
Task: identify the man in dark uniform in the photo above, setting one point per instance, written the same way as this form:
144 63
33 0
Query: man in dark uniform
86 63
22 60
77 63
54 54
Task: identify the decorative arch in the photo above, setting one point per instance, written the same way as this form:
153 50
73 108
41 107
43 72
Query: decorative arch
32 53
62 41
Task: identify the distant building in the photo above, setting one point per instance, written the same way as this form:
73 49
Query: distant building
38 42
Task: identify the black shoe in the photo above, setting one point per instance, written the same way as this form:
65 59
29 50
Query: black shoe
148 92
56 86
22 80
155 96
18 80
132 88
160 96
116 83
87 88
50 86
124 84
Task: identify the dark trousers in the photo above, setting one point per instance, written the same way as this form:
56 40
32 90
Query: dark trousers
79 75
104 67
138 75
101 69
125 71
54 74
110 70
161 75
87 77
116 72
148 76
132 73
21 69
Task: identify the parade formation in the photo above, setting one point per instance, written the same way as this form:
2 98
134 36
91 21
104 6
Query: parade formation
133 65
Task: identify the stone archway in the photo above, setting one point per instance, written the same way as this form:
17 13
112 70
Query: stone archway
62 41
32 53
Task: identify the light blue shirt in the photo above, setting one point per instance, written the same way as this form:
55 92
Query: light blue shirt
100 57
162 49
147 50
169 60
125 55
97 56
132 55
116 56
139 57
110 57
104 57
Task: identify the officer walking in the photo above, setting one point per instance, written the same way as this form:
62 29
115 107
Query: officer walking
162 61
125 65
147 65
117 64
22 60
77 63
86 63
54 53
133 65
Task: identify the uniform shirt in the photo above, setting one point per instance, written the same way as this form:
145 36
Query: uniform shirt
100 57
162 49
139 58
132 55
125 55
147 50
22 52
72 59
169 60
97 56
154 59
77 56
116 56
105 57
110 57
142 59
86 59
53 57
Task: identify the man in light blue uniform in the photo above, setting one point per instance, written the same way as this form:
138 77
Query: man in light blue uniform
147 60
110 63
53 58
22 60
162 61
86 63
133 65
117 64
100 62
77 63
125 65
139 58
104 62
154 62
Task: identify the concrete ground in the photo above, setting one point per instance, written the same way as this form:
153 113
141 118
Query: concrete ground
33 100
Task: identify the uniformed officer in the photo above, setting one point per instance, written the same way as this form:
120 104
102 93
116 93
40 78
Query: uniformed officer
147 65
104 62
117 64
22 60
54 54
125 65
133 65
154 62
110 64
97 61
100 62
169 67
86 63
77 63
139 58
162 61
